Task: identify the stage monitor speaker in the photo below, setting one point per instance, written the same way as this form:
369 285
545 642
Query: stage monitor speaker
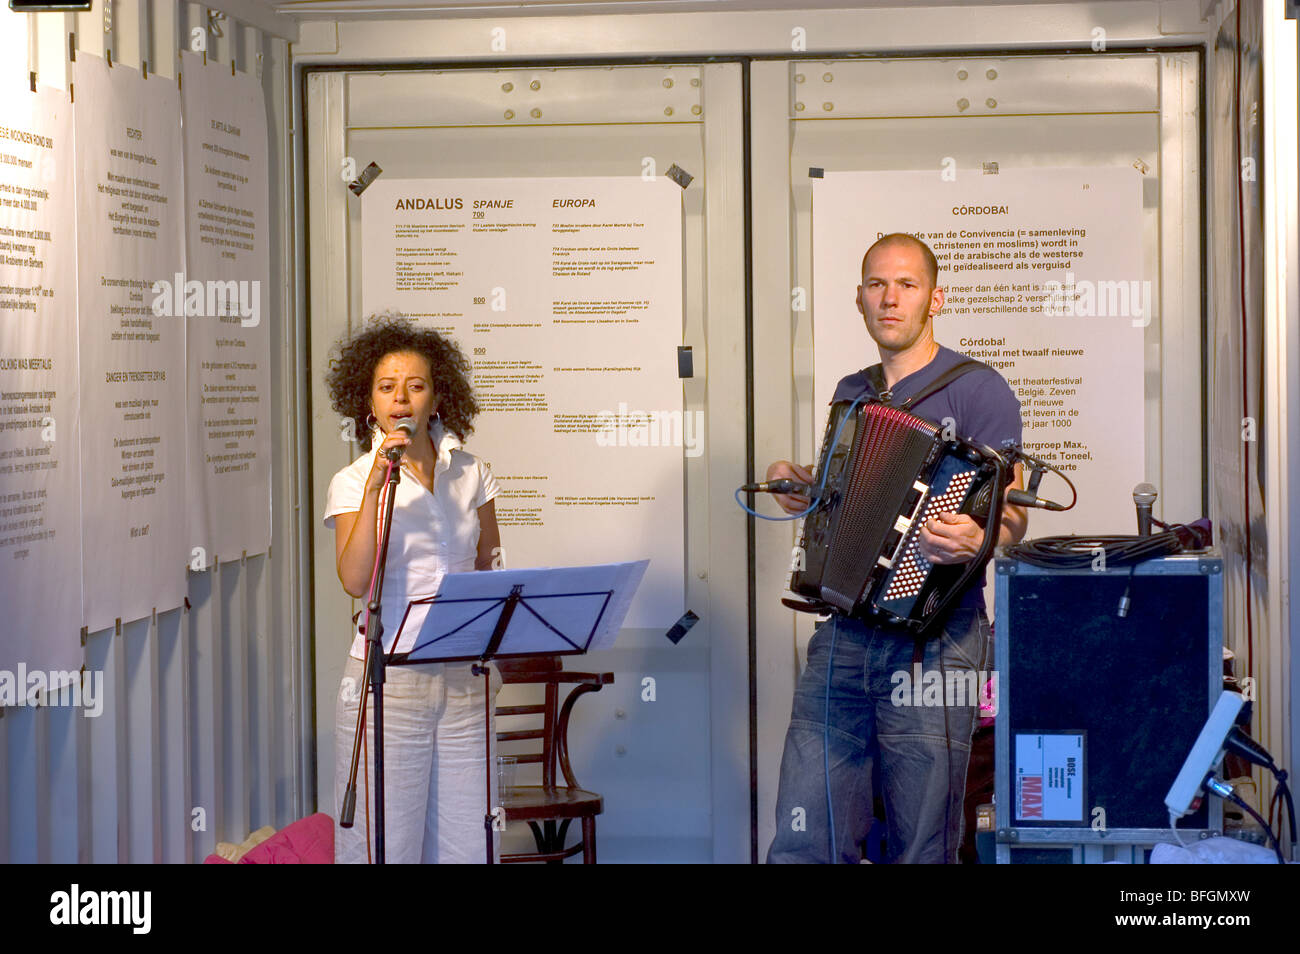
1097 711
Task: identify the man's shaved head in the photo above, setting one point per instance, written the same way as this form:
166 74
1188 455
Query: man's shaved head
902 238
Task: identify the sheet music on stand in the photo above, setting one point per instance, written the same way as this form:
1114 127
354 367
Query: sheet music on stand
561 611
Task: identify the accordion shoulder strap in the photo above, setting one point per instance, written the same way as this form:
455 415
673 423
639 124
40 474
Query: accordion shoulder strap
876 375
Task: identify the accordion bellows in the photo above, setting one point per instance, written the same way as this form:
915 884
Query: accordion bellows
884 472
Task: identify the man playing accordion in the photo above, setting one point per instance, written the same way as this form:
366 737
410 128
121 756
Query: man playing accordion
849 739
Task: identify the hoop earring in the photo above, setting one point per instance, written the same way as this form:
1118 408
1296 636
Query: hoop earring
371 420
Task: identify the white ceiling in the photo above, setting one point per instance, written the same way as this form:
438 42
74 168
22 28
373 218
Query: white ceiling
360 9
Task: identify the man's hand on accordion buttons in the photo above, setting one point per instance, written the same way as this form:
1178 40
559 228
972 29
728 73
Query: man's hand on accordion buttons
951 538
784 470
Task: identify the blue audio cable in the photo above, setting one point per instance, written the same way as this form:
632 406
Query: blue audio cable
821 485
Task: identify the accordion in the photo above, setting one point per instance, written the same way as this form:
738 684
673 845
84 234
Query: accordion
882 473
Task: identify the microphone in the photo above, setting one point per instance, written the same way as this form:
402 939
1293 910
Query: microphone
781 486
1023 498
1250 750
1144 495
407 426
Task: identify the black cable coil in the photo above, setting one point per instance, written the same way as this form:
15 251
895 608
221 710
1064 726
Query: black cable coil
1076 553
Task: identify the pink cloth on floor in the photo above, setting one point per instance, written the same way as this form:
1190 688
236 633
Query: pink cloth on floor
308 841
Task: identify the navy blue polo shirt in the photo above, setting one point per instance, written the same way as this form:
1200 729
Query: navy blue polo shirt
980 402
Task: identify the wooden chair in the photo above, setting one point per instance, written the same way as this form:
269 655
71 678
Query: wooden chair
549 808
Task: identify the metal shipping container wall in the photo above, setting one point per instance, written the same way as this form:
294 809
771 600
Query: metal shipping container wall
203 735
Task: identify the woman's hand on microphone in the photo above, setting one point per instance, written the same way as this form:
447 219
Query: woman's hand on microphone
785 470
378 475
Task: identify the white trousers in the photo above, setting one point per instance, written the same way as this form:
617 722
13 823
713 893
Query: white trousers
434 767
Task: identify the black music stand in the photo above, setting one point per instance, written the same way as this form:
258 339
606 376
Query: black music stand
477 616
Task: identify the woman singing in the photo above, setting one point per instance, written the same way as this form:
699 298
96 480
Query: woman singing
444 521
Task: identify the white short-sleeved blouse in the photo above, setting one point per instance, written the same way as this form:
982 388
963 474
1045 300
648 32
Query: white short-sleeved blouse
432 534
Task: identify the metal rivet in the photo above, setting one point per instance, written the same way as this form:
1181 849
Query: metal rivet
668 110
962 74
828 106
827 78
992 74
798 107
507 87
510 114
991 103
668 83
697 109
963 103
535 113
535 84
798 77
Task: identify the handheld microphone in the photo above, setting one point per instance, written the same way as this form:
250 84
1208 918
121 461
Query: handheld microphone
1144 495
407 426
782 486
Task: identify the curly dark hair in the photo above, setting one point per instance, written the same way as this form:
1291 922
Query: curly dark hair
352 372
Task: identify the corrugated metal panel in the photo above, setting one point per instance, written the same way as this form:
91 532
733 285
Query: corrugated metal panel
203 728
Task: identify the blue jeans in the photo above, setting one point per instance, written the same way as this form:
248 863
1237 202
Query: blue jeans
883 731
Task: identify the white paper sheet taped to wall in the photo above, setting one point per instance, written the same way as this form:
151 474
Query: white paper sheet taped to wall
1044 281
228 346
40 457
130 236
566 295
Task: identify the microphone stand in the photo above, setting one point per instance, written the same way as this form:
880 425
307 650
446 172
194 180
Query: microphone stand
374 667
481 668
